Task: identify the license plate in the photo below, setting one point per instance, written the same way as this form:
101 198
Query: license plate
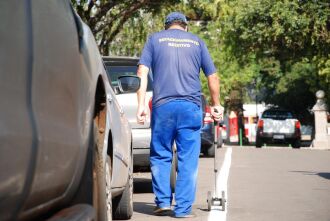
279 137
306 137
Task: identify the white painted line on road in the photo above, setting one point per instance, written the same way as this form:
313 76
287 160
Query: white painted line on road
222 181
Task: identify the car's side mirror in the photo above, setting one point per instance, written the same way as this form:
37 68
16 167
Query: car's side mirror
127 84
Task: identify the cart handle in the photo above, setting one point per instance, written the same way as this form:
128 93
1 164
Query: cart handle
218 123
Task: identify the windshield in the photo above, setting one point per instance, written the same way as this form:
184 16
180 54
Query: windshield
116 71
275 114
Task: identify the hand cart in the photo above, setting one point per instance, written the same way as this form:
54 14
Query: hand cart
216 200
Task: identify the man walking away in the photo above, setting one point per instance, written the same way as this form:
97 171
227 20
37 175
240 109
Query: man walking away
176 57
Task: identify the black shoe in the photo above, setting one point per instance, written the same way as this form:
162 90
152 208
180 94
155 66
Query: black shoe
164 211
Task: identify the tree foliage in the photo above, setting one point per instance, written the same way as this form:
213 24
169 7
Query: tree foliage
106 18
275 50
290 41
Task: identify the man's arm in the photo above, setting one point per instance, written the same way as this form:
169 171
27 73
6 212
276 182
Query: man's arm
214 87
142 73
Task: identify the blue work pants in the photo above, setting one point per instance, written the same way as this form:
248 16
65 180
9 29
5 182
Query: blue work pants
178 121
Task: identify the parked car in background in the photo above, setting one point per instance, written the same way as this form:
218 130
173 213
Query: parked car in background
278 126
207 131
307 133
64 139
141 134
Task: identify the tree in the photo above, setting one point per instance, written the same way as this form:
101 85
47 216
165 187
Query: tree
290 41
131 39
279 49
107 17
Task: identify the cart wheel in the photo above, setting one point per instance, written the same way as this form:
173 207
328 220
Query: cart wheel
223 201
174 168
209 200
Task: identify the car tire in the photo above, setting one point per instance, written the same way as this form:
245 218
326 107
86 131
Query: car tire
210 151
258 143
123 204
95 184
296 144
102 198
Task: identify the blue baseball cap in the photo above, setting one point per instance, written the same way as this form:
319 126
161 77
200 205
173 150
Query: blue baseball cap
175 16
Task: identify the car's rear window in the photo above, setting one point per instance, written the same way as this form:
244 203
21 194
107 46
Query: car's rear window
275 114
115 71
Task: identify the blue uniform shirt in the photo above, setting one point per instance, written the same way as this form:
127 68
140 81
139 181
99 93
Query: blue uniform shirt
176 57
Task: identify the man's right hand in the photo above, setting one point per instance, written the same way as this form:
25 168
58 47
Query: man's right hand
142 73
217 112
141 115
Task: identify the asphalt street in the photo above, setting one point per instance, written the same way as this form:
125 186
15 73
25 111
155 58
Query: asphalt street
272 183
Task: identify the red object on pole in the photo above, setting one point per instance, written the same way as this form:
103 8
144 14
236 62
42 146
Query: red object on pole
233 122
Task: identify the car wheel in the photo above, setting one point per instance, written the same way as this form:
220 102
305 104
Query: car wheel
296 144
95 185
102 198
210 151
123 204
258 143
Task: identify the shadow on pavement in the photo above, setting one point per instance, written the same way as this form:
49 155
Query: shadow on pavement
147 209
142 185
205 156
143 207
321 174
203 209
324 175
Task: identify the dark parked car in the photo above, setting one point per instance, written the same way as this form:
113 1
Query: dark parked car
119 66
278 126
207 132
64 139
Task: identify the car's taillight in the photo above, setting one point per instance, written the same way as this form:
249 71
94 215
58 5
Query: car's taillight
150 103
208 117
297 128
260 124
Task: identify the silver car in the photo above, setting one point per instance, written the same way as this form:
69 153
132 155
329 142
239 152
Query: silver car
278 126
118 66
64 139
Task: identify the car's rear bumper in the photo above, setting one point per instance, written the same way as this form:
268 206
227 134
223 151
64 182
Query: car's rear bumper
141 138
141 146
141 157
278 137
